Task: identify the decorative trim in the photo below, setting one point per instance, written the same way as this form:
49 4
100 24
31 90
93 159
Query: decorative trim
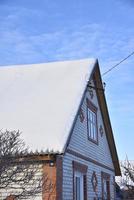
91 105
91 93
85 186
105 176
81 115
101 130
59 177
79 167
94 181
88 159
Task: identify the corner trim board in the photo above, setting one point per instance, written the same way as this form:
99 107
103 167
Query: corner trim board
59 177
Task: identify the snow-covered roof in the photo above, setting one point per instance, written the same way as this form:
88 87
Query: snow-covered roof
41 100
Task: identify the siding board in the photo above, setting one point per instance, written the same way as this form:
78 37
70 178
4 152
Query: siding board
100 153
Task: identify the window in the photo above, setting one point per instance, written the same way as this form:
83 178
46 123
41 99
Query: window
80 181
79 189
92 121
105 186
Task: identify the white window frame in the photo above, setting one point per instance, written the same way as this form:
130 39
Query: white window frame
80 176
105 184
92 125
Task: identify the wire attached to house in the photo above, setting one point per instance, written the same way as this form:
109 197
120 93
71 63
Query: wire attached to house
109 70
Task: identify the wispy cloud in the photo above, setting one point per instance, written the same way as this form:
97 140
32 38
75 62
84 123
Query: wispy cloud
25 37
32 32
90 40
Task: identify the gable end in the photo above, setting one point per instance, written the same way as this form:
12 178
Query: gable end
106 118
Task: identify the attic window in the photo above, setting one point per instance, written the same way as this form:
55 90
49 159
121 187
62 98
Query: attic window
92 122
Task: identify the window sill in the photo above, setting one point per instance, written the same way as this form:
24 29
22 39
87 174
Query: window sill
93 141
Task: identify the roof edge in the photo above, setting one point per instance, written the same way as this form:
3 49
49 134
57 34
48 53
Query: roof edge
104 109
80 103
42 63
106 120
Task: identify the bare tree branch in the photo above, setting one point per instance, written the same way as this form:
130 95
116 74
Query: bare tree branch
127 179
20 176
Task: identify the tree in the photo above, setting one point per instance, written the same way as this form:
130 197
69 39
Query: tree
128 172
126 182
20 175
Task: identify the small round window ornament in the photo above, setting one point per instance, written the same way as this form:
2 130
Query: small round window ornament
81 115
91 93
94 181
101 130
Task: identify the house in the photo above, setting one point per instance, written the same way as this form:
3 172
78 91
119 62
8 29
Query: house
61 106
125 183
119 192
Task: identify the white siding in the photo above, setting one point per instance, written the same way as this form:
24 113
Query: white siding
8 191
68 178
79 143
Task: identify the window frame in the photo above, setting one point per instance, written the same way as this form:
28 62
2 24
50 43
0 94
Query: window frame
79 176
106 177
80 170
92 108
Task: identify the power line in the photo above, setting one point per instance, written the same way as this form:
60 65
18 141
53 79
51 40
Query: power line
118 64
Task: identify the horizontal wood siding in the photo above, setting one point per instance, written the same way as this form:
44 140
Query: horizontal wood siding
68 178
79 141
100 153
4 193
49 173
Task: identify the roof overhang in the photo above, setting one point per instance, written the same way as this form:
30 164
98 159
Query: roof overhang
106 118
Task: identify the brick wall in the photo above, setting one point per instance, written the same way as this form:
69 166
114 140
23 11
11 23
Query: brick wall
49 191
54 173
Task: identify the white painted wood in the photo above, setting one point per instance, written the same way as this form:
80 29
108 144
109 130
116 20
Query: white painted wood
79 175
68 178
79 143
8 191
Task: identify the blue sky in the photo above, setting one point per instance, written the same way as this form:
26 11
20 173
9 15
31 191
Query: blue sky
33 31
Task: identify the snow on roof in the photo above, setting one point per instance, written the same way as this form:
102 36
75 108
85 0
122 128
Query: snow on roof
41 100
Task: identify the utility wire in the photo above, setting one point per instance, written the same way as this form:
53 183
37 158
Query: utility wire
118 64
